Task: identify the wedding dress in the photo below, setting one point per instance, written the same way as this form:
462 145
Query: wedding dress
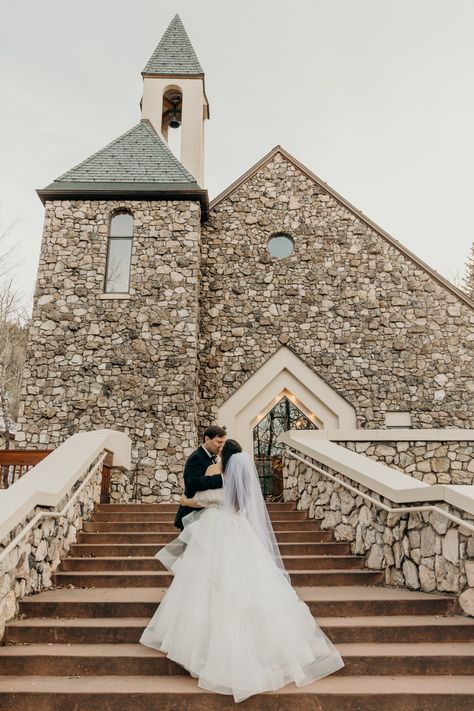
230 616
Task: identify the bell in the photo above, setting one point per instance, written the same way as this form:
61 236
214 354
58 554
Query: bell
174 121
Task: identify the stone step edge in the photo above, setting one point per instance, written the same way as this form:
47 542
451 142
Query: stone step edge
346 649
334 685
325 556
361 621
329 571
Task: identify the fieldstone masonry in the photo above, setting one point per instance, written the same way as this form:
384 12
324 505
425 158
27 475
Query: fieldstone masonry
209 305
29 565
128 364
432 462
366 318
418 550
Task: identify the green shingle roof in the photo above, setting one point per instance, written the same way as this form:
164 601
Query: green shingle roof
137 156
175 53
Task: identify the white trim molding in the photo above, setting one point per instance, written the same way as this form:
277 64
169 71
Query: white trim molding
397 435
54 477
284 374
379 478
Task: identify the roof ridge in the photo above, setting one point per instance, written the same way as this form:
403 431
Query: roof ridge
174 53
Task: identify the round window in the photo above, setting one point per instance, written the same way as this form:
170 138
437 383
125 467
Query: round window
281 246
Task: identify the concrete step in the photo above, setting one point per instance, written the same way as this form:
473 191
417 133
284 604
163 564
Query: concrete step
271 506
115 578
129 563
169 516
137 526
160 537
388 630
420 658
181 693
143 549
136 659
337 601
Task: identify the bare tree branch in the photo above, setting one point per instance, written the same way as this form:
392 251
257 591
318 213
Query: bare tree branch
13 338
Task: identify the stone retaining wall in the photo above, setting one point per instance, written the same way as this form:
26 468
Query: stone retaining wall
418 550
28 567
432 462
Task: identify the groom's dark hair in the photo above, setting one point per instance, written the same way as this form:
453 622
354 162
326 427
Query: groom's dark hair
214 431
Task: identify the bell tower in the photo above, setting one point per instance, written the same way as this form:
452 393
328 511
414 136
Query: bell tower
174 96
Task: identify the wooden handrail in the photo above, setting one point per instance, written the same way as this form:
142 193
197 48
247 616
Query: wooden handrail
16 462
22 456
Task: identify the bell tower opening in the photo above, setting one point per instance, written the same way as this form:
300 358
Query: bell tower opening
171 118
178 110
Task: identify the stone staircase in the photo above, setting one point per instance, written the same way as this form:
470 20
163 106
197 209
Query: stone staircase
77 647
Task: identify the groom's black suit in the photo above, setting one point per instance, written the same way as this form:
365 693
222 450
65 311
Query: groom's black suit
195 479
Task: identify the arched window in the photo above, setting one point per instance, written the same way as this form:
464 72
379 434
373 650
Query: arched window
119 254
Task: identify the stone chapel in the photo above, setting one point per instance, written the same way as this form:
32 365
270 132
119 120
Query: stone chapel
157 312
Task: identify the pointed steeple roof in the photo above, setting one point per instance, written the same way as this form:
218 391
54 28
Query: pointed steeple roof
136 165
175 53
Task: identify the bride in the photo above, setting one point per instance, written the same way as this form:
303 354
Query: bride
230 616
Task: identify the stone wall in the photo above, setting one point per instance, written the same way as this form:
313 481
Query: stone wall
122 487
28 566
418 550
376 326
128 364
437 462
209 305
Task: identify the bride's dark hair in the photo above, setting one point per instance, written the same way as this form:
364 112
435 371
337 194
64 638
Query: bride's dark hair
231 446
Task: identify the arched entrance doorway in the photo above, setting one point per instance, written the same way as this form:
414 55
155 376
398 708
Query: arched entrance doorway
284 374
284 415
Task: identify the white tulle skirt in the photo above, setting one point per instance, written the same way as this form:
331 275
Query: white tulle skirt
230 617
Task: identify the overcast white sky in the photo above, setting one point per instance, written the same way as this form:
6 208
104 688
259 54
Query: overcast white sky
375 96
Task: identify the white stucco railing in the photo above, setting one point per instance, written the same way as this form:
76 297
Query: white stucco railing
52 478
380 478
396 434
53 514
420 535
376 502
42 513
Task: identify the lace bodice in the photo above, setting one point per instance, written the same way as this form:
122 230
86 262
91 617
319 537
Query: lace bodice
211 497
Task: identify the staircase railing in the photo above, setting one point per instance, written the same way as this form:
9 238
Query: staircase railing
42 512
421 535
379 504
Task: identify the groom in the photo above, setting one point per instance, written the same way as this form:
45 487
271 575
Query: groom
195 478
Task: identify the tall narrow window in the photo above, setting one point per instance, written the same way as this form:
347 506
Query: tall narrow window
119 254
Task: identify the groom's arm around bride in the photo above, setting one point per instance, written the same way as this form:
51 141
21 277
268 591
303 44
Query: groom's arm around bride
195 478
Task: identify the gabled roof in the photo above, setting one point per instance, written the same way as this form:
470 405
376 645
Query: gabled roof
385 235
175 53
137 164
